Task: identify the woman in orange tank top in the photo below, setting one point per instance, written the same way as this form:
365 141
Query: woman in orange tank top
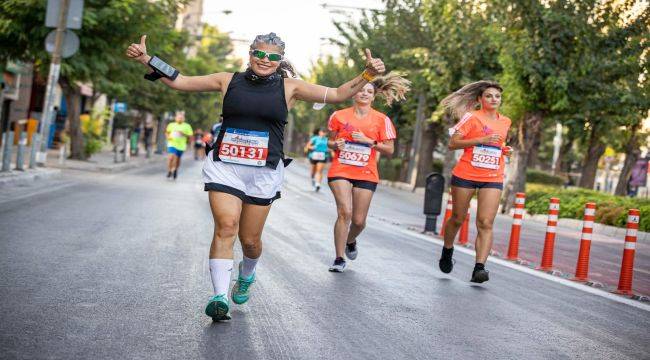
358 134
481 135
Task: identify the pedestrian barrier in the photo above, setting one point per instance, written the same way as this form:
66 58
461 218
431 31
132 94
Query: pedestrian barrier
447 216
20 156
463 237
515 232
582 267
627 264
549 239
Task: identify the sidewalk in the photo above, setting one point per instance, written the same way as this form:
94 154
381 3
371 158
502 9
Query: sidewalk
103 161
571 227
28 175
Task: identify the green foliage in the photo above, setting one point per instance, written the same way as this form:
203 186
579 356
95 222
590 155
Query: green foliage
543 177
610 210
389 169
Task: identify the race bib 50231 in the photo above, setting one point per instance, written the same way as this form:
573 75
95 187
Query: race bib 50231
355 154
486 157
245 147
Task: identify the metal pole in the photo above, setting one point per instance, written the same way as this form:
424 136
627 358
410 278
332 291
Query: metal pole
20 157
431 224
52 80
32 155
6 154
110 122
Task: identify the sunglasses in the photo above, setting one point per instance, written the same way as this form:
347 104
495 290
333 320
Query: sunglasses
262 54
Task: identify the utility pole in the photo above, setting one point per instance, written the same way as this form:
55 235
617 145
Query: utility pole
52 80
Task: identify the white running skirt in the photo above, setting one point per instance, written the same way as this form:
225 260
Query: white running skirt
253 184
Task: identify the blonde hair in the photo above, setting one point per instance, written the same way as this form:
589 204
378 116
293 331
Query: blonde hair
466 98
392 87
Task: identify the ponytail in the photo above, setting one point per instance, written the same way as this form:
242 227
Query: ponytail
466 98
392 87
286 69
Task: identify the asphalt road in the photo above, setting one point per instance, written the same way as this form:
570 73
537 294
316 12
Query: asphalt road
115 267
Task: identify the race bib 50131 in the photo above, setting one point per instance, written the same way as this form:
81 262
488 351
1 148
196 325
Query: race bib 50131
245 147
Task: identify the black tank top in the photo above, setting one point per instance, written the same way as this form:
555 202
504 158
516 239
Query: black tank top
256 104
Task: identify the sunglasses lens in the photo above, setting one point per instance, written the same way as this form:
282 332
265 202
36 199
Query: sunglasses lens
275 57
259 54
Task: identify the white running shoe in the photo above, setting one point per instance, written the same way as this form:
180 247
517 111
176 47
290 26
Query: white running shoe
338 266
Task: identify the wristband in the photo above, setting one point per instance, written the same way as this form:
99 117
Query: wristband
366 76
162 69
152 76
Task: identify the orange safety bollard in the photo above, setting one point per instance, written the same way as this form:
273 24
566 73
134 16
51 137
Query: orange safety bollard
463 237
515 231
582 267
627 265
447 216
549 240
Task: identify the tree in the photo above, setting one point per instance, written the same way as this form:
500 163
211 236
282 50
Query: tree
108 28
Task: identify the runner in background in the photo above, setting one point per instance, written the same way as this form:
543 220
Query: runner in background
178 134
481 133
358 134
318 153
198 145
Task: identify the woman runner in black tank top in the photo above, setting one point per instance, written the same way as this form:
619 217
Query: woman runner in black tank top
243 173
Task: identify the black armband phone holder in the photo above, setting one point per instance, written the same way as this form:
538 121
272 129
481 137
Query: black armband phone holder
160 69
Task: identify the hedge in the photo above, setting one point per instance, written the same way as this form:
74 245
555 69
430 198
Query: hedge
610 209
542 177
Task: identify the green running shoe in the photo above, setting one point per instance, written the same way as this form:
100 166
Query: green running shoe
217 308
241 290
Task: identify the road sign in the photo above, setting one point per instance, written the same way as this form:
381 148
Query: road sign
70 43
75 14
120 107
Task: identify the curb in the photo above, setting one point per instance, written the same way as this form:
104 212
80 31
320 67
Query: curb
30 175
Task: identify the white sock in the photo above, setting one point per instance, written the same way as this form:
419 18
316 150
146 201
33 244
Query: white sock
248 267
220 270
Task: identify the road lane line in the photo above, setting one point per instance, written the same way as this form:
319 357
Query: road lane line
572 284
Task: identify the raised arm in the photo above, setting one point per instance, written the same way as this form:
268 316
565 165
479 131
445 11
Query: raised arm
211 82
321 94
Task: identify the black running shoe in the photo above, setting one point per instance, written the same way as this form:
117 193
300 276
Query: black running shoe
169 174
480 275
446 262
175 174
351 250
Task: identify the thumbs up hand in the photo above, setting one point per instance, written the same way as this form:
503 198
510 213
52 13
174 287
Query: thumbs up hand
374 66
138 52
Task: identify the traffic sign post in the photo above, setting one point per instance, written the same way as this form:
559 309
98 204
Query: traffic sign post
52 80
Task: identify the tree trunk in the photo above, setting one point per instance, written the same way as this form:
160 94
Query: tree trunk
73 99
428 145
631 156
595 150
450 155
533 155
527 131
416 149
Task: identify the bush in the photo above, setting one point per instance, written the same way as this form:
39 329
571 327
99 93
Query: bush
610 209
389 169
542 177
